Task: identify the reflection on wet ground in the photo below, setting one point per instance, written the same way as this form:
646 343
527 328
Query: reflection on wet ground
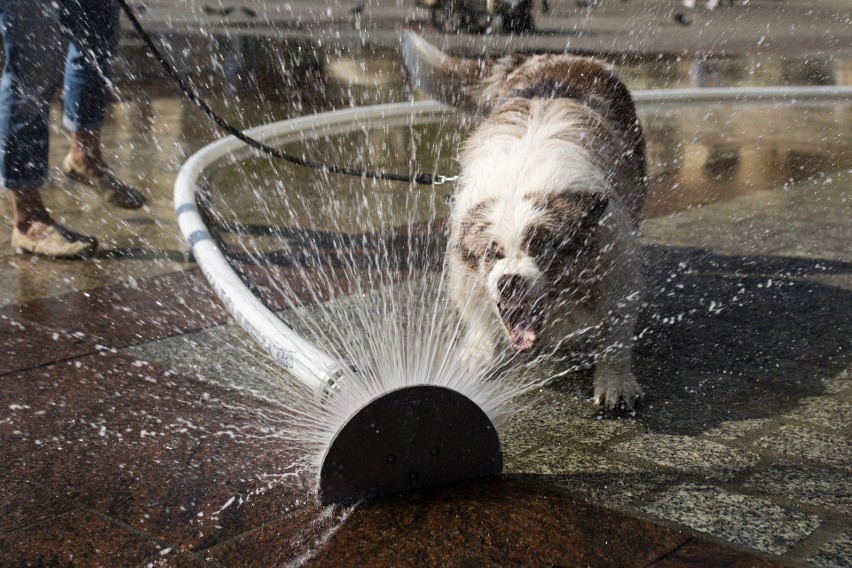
697 154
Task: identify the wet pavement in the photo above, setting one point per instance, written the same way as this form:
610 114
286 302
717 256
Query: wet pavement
126 442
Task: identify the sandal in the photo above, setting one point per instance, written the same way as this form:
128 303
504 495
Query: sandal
120 194
56 241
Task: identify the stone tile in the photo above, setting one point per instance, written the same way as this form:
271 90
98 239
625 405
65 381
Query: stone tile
286 542
281 287
606 479
801 442
836 553
556 459
80 538
130 313
738 519
492 522
224 354
825 411
23 504
703 458
181 459
828 489
702 554
613 490
24 344
556 422
551 416
736 429
716 365
839 383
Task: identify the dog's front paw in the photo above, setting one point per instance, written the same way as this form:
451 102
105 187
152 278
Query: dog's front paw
621 392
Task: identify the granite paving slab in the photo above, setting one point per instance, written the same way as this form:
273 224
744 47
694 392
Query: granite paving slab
25 344
23 503
131 312
80 538
826 412
837 553
734 518
701 458
472 523
703 554
829 490
812 445
179 459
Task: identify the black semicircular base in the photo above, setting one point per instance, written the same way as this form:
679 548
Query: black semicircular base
409 438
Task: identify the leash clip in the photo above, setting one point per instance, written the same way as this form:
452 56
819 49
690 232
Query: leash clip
441 180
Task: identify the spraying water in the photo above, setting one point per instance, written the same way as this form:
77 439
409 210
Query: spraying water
392 330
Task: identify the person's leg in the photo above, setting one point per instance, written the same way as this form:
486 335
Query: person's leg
94 28
33 46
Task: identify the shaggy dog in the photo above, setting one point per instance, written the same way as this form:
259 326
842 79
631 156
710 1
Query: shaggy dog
543 224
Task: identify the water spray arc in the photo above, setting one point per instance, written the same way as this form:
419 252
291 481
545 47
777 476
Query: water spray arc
414 436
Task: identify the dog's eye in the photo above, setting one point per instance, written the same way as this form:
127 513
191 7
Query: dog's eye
492 253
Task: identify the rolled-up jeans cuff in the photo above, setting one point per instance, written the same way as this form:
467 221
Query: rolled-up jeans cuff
72 125
23 186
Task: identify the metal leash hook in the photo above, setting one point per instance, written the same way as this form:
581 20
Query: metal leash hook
441 180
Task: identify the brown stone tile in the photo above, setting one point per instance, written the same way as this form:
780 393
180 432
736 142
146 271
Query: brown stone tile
493 522
130 313
702 554
286 542
23 504
24 344
80 538
181 459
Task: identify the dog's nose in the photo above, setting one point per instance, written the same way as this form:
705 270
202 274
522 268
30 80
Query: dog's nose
512 286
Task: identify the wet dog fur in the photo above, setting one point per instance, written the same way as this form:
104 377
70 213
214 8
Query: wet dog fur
543 223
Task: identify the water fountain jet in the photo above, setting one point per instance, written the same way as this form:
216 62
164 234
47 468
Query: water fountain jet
420 434
409 437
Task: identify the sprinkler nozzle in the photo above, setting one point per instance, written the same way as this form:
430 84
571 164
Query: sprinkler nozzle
409 438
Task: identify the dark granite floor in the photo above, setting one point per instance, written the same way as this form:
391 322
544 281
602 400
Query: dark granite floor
112 461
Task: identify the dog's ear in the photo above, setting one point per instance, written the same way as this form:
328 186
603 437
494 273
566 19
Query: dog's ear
583 210
449 79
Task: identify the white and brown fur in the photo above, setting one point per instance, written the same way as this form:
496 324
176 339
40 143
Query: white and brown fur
543 224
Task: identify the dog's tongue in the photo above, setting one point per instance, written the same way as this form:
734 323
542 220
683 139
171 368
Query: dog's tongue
520 326
522 337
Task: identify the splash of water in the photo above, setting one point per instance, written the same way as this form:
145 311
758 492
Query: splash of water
358 267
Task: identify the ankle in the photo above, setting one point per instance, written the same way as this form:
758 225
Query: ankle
29 212
86 152
34 227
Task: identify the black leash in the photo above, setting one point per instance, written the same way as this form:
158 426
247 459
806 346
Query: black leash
421 178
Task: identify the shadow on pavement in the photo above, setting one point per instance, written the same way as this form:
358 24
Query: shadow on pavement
737 338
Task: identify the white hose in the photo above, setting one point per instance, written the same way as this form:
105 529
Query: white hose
315 369
781 95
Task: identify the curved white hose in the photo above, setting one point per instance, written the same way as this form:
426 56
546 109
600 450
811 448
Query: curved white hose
312 367
781 95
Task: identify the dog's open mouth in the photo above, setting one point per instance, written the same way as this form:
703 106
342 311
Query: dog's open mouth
523 324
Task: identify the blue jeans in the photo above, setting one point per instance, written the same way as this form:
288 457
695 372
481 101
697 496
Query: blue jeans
35 33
